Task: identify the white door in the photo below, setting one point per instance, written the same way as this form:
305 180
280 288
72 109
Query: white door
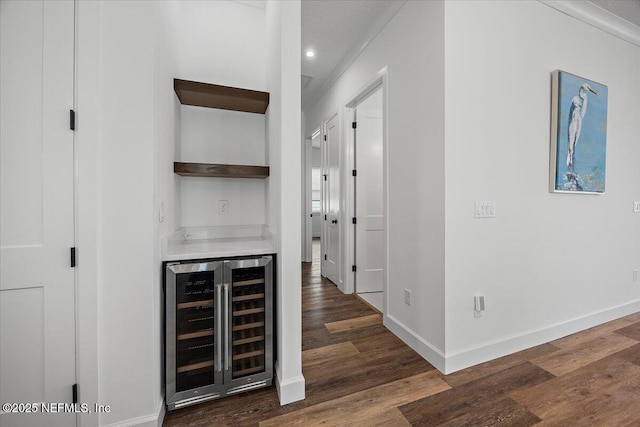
331 245
37 326
369 211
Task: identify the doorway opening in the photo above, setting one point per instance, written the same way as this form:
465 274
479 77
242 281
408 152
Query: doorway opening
368 204
368 240
368 212
316 186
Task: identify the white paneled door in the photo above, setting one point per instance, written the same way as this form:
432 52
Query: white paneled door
331 243
37 323
369 196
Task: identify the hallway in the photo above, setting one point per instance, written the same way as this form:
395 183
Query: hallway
355 369
359 373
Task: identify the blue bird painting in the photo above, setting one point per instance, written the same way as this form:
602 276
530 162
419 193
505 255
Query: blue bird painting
580 145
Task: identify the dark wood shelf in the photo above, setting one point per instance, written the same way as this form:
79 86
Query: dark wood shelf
220 171
223 97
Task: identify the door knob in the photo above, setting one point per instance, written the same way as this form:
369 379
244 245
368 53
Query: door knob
334 221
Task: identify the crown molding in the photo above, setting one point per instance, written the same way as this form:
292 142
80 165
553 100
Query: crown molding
353 54
598 17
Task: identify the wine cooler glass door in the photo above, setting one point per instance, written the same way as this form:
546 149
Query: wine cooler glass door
194 347
250 322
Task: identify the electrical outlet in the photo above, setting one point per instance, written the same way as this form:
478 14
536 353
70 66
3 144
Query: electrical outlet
478 305
407 296
636 207
161 212
223 207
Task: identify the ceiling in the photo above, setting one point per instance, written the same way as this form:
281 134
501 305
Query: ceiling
338 30
626 9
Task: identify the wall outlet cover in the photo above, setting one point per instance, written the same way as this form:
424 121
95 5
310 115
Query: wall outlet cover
407 296
223 207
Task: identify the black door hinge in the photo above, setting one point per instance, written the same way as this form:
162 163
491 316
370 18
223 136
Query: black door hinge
353 220
74 393
325 257
73 257
354 125
325 137
354 173
325 217
353 268
72 120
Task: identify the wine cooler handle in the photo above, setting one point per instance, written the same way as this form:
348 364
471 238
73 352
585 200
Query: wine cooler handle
219 326
226 328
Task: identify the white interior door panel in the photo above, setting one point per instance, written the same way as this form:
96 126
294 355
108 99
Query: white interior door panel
37 323
369 196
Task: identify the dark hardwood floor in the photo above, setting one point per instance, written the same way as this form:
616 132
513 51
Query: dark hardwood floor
359 373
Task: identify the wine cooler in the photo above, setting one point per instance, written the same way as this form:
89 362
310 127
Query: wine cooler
219 328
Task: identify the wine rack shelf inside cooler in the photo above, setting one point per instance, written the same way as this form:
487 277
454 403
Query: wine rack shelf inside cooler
248 327
195 336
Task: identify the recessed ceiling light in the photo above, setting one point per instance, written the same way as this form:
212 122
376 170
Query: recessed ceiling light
310 54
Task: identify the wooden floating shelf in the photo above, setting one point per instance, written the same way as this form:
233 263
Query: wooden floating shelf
220 171
222 97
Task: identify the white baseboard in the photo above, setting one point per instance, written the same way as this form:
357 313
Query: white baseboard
424 348
462 359
153 420
450 362
161 412
289 390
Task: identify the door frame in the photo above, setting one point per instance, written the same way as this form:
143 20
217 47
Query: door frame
307 221
379 80
323 195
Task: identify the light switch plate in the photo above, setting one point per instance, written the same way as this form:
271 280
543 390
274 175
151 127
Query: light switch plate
485 210
636 207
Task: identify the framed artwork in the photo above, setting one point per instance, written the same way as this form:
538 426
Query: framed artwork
578 134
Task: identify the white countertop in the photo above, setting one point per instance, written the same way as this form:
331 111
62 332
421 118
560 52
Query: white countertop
217 242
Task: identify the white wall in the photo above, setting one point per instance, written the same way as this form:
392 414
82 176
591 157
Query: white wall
548 264
128 125
227 137
127 307
412 47
284 189
125 135
87 100
221 42
167 197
